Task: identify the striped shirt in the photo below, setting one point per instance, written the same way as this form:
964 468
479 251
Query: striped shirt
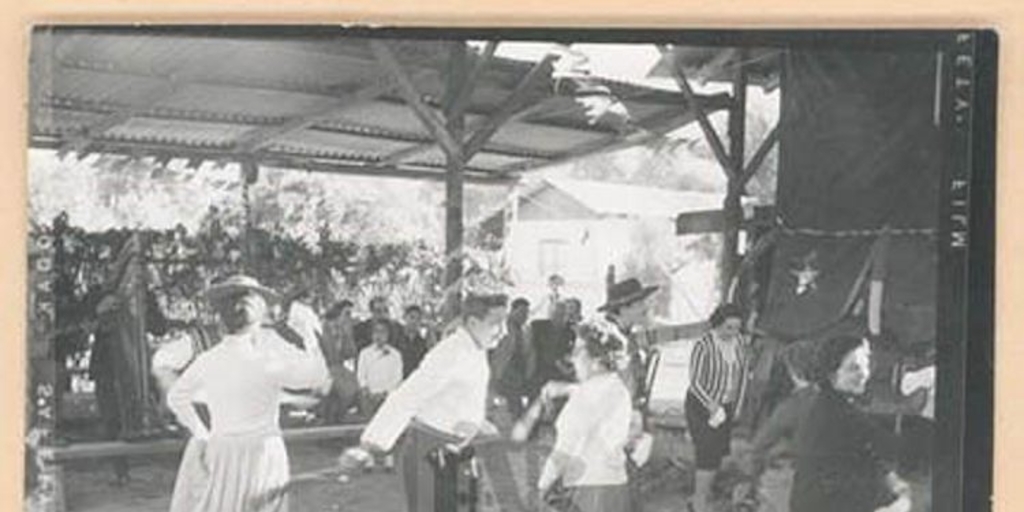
710 373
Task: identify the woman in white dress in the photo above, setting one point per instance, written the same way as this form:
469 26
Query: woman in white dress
593 430
244 465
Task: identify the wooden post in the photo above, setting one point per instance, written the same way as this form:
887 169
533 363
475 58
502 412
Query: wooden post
732 208
454 181
250 174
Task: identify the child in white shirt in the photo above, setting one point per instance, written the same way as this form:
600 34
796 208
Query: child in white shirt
379 372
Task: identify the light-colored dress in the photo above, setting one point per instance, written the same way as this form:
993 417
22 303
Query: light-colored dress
243 465
592 432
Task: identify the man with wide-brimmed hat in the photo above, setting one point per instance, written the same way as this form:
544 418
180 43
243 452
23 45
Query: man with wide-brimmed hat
627 308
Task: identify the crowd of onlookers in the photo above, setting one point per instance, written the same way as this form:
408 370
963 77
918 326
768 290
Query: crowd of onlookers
370 357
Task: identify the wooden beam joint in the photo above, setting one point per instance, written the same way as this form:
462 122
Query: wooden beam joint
430 119
702 118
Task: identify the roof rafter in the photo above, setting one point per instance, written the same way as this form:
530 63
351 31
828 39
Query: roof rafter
119 116
702 118
762 152
331 93
460 100
430 119
259 138
512 104
490 147
196 156
646 130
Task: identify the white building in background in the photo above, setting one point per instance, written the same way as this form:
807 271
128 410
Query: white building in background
578 229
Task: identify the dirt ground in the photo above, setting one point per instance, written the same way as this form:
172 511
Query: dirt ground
89 485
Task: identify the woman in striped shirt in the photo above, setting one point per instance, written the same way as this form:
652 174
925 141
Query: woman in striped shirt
718 377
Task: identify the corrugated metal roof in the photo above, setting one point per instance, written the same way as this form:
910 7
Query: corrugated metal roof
106 89
717 64
617 199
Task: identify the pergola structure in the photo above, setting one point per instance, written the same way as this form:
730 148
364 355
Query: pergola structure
322 100
740 67
325 101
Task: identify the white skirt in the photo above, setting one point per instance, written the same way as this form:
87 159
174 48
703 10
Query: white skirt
232 474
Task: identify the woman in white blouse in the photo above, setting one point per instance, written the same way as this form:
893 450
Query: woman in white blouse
593 430
241 380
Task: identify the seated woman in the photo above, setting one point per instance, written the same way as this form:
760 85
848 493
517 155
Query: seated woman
593 430
838 464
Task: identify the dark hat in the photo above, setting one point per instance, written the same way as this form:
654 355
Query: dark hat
238 283
626 292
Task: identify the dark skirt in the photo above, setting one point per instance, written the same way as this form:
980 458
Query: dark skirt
710 444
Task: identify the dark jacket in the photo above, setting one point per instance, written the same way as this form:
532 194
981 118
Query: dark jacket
782 425
511 363
551 344
839 465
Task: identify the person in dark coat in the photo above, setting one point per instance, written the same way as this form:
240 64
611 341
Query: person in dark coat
512 360
770 460
103 370
417 340
840 462
551 341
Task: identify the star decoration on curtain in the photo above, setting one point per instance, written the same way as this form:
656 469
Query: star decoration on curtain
806 273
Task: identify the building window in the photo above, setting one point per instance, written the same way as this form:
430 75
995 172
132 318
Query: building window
552 255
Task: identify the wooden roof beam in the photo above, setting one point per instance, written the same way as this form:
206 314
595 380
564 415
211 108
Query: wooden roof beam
430 119
702 118
120 69
406 154
117 117
644 131
515 102
461 100
259 138
196 155
762 152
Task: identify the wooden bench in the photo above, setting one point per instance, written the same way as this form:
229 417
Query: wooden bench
57 456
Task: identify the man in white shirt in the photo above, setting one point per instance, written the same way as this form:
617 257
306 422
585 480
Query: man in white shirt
379 372
444 401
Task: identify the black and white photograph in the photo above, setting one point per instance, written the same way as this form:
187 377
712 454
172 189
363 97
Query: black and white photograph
333 268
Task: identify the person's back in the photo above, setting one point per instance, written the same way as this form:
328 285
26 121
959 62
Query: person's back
244 398
837 468
552 342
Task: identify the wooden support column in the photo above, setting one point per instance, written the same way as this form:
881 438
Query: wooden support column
732 208
454 180
250 174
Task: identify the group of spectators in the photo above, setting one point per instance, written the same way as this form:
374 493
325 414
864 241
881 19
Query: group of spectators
369 358
374 355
